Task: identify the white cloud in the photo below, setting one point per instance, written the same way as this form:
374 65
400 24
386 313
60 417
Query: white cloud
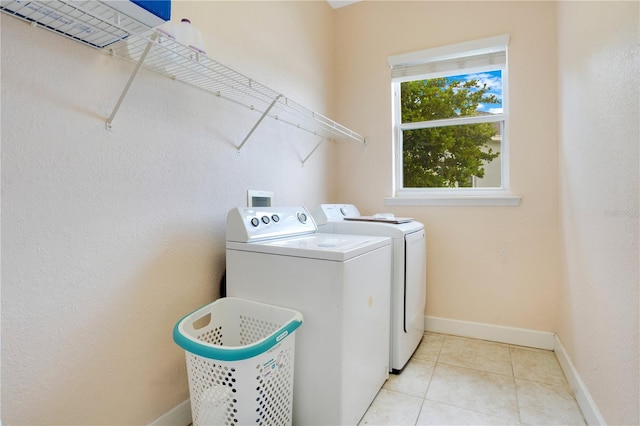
493 82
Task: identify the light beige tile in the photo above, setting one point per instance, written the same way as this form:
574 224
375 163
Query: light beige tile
487 393
392 408
414 378
545 404
430 346
476 354
435 413
537 365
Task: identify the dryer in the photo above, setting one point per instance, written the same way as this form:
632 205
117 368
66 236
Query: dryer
341 285
408 287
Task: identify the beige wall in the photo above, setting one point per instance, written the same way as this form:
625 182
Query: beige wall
599 96
496 265
108 238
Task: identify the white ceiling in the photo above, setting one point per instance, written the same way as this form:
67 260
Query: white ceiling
337 4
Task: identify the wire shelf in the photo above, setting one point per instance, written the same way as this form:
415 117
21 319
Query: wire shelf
91 22
191 66
99 25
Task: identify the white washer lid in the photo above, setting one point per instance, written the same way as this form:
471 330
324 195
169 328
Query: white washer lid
336 247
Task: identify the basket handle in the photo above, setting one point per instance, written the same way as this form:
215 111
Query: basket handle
202 322
235 353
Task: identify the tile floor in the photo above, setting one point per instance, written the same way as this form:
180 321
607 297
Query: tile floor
459 381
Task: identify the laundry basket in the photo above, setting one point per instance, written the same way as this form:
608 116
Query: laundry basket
240 357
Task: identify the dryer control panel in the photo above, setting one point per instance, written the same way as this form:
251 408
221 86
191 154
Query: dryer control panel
334 212
247 224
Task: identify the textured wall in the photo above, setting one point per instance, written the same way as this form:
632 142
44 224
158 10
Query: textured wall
496 265
109 237
599 100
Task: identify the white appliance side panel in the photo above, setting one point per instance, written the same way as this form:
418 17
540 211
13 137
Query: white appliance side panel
397 304
313 287
409 331
366 330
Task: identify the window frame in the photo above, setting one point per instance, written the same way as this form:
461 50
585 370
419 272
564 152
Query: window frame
424 64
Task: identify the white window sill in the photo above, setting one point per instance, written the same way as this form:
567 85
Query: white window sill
504 200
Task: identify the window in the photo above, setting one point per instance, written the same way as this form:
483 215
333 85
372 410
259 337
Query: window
450 119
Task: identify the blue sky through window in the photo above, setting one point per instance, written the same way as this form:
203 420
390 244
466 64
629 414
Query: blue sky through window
493 80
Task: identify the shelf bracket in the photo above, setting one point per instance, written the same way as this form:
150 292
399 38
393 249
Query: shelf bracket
131 78
255 126
313 150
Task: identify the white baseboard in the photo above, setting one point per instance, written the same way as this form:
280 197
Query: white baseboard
494 333
587 405
179 415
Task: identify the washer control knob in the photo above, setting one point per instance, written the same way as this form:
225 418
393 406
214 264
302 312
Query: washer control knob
255 222
275 218
343 211
302 217
265 219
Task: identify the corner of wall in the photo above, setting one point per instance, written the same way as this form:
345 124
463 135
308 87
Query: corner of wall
178 415
586 403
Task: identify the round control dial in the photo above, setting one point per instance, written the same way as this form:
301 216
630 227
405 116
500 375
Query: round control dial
265 219
255 222
275 218
302 217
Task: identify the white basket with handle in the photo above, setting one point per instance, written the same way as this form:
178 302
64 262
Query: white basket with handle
240 358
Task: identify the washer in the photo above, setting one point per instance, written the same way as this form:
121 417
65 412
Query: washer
408 289
341 285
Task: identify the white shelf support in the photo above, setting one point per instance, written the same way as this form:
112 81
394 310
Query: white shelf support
313 150
255 126
131 78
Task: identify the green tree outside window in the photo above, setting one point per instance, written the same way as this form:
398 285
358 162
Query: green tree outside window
451 155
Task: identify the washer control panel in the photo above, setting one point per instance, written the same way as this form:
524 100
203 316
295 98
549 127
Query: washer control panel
247 224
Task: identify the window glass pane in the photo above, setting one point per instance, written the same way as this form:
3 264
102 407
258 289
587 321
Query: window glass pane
453 96
453 156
